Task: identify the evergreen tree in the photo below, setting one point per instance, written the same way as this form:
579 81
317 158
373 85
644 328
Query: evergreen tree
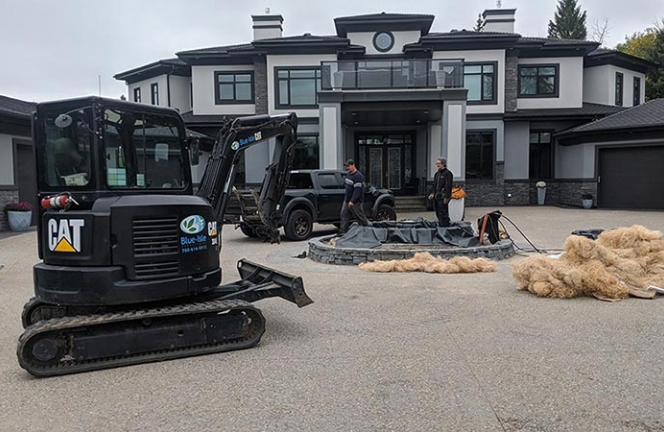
568 22
479 25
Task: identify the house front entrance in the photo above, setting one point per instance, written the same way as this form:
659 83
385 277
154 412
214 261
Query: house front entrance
387 159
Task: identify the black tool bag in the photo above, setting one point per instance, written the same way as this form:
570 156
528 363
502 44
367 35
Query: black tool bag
489 224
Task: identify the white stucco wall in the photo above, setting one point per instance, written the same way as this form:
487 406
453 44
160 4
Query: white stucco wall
570 84
575 162
204 88
435 149
628 83
401 38
476 57
517 147
180 93
454 138
146 92
599 85
274 61
6 160
330 139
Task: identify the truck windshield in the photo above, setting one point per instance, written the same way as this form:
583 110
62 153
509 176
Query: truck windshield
67 151
143 150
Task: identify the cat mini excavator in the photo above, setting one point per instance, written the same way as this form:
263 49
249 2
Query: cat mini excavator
130 269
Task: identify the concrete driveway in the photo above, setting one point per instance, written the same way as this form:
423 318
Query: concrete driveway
375 352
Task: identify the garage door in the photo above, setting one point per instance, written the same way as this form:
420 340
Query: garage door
631 177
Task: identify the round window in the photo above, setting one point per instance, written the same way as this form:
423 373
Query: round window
383 41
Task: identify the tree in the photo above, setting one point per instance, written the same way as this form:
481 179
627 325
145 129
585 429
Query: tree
568 21
600 30
479 25
648 45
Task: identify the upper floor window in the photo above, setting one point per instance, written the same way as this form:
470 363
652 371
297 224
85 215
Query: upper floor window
619 88
307 152
541 155
637 91
538 80
480 80
298 87
234 87
137 94
154 90
479 155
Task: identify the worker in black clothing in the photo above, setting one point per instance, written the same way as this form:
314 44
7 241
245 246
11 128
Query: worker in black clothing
441 192
354 198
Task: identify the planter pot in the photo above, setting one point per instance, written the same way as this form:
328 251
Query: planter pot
541 195
456 208
587 203
19 220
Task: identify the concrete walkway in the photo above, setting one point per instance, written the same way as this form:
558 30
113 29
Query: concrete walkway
375 352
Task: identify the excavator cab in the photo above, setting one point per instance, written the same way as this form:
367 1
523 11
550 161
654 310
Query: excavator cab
130 256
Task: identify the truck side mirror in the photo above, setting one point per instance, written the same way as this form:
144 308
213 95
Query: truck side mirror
194 150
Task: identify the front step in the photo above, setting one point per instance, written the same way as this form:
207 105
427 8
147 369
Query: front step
405 204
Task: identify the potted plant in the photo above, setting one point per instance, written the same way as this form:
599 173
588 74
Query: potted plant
541 192
587 200
19 215
456 205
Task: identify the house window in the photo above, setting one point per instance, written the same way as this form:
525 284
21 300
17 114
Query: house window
637 91
306 152
137 94
298 87
541 155
234 87
479 155
619 88
538 81
154 90
480 80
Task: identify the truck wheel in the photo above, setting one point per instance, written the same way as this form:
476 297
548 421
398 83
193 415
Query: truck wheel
248 231
386 212
299 225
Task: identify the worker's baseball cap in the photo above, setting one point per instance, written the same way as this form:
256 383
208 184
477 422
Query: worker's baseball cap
349 162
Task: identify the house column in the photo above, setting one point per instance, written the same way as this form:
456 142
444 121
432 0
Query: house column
331 137
454 137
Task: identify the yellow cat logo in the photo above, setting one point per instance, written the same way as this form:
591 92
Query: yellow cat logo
64 235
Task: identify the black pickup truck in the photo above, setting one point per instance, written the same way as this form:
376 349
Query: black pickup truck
315 196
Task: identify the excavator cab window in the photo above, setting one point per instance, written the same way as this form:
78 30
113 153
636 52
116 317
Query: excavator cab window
67 155
143 150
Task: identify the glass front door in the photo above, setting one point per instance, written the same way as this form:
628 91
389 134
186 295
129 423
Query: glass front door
386 160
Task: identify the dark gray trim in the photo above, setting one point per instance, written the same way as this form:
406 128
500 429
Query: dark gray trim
608 135
505 20
153 87
498 12
257 18
556 81
494 133
619 96
308 120
551 132
276 26
140 96
378 22
332 96
15 143
277 103
218 101
619 59
383 50
636 91
168 89
494 99
8 188
153 70
488 116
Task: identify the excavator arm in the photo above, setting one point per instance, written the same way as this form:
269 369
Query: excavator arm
237 136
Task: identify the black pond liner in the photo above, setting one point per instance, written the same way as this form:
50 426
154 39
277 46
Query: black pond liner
416 231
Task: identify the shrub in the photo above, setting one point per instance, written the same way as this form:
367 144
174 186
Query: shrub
587 196
18 206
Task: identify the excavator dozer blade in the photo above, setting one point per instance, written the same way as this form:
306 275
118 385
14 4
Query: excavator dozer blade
259 282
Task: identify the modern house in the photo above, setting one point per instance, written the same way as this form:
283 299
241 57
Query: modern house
393 95
18 177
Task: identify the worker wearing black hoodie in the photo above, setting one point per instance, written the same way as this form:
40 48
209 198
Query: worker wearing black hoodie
354 198
441 192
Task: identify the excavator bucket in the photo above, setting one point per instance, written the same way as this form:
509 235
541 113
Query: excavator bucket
259 282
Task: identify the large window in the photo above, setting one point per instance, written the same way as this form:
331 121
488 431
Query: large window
154 89
480 155
137 95
637 91
541 155
538 81
480 80
298 87
306 152
234 87
620 81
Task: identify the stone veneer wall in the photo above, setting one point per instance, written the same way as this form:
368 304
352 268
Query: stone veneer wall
511 81
487 193
260 83
6 196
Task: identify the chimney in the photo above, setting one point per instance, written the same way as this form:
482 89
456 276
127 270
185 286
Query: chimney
267 26
499 20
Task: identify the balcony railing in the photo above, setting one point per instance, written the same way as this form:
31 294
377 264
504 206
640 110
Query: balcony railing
391 74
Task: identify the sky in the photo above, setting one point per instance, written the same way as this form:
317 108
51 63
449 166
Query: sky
53 49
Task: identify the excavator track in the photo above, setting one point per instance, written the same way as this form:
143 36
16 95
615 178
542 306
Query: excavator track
84 343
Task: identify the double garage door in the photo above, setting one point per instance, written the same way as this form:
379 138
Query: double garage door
631 177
